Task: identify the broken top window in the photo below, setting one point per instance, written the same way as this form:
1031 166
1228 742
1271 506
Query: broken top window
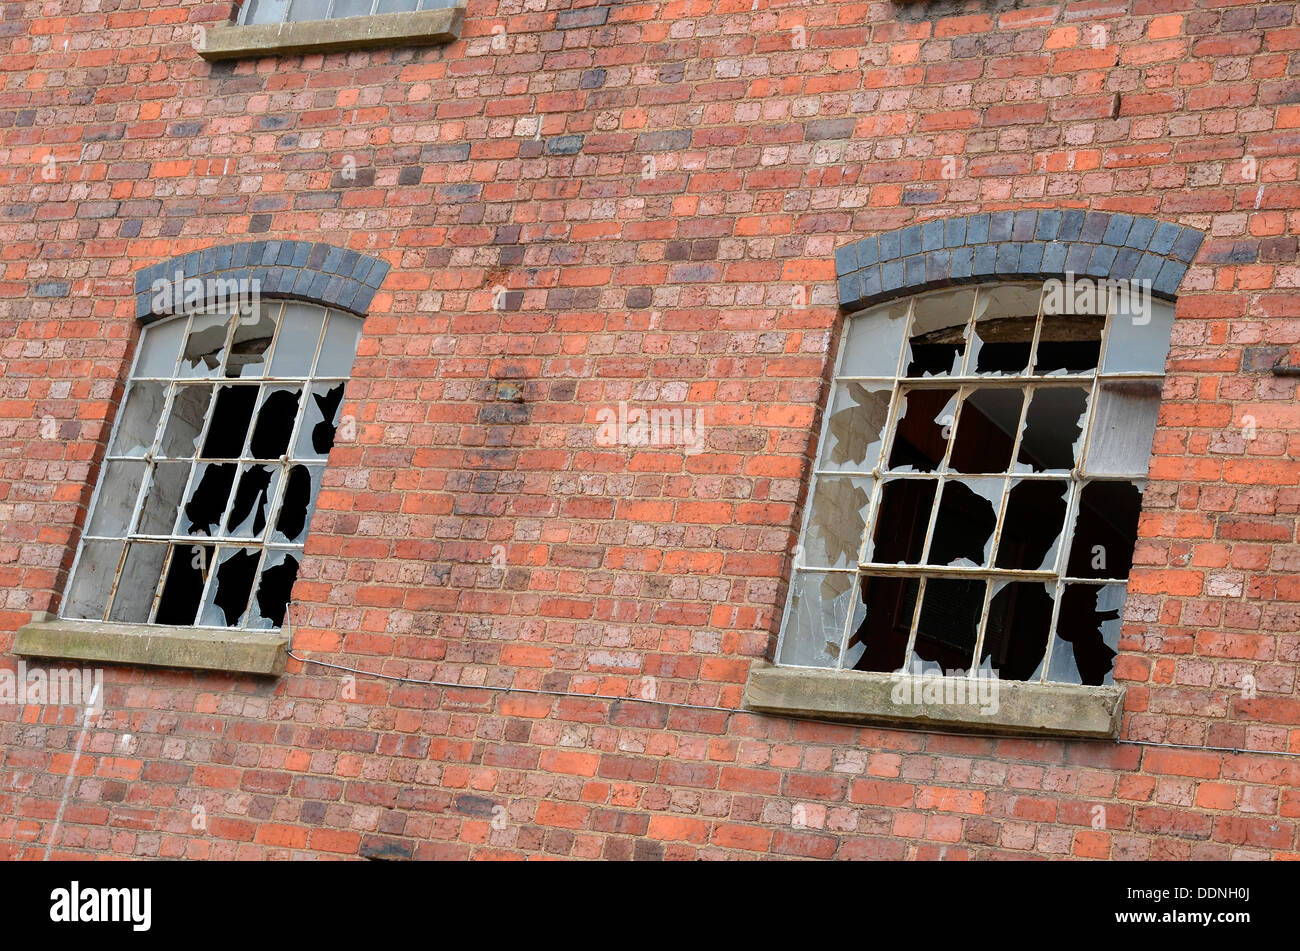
979 483
213 469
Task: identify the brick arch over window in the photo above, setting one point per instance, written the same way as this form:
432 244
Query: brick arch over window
301 270
1005 245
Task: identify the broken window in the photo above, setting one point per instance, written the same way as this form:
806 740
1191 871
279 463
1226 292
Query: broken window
978 485
214 467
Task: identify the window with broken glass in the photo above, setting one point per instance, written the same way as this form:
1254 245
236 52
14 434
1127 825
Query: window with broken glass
290 11
976 495
213 468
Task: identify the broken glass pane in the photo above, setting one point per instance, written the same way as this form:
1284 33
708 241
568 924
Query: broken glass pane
938 338
882 623
1139 341
185 422
1105 530
139 582
1053 425
901 522
298 503
986 431
316 435
874 340
1031 528
816 618
160 345
252 338
182 592
1004 329
163 498
1087 635
252 505
229 425
93 580
837 521
963 529
227 597
275 419
205 346
1068 344
1123 428
119 488
338 351
208 498
141 411
295 344
921 436
949 622
1015 638
279 572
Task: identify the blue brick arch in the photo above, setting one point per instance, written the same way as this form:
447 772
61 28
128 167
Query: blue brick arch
315 272
1043 243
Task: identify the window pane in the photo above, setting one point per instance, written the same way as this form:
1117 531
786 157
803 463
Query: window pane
1004 329
815 619
396 6
205 347
227 597
279 572
901 522
1105 530
1031 528
1123 427
986 430
91 583
351 8
1053 425
963 529
949 622
1015 637
228 427
141 412
117 498
320 422
874 340
882 625
160 345
251 340
141 573
338 351
937 342
298 503
207 501
1139 338
1087 634
267 11
182 592
921 437
185 421
251 509
1068 344
309 10
295 344
163 498
275 418
836 522
856 427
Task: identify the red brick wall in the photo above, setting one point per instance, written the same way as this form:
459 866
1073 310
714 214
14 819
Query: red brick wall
677 287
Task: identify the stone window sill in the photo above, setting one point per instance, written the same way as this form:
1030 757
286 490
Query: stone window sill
244 41
151 645
861 697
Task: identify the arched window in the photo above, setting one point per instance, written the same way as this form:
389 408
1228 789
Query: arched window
978 482
214 466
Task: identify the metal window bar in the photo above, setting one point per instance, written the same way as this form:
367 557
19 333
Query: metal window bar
1029 382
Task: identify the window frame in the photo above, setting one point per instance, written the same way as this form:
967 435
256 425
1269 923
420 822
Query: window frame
223 542
898 385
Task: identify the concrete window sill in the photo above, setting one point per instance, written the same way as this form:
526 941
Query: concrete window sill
861 697
423 28
150 645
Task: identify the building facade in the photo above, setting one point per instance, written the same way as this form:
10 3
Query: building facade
578 390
